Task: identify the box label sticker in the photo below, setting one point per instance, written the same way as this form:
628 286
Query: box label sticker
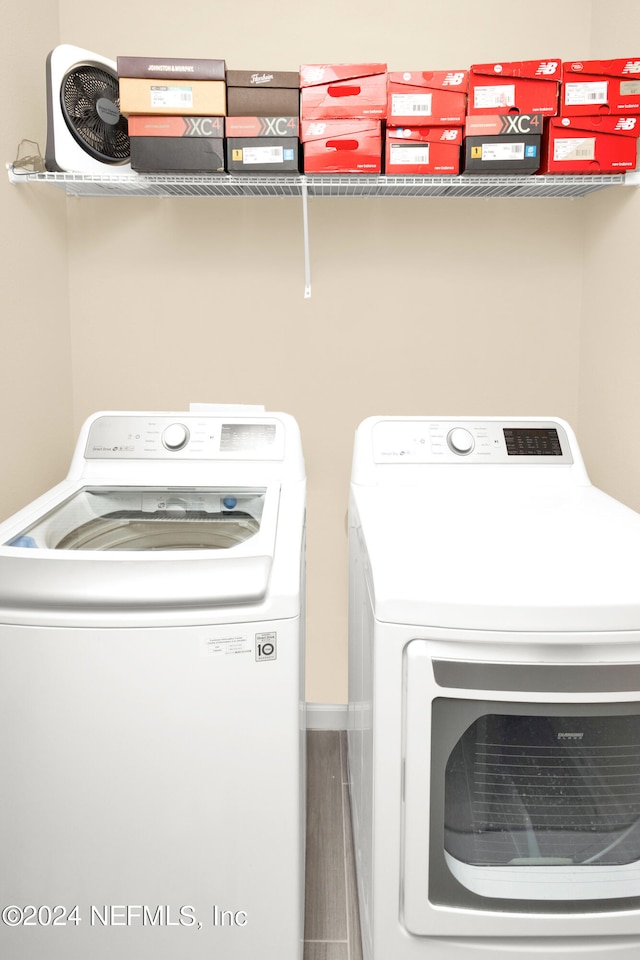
503 151
263 155
575 149
267 646
401 153
231 646
629 88
171 97
586 92
494 96
411 104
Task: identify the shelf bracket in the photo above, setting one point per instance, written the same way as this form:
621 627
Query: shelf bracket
305 228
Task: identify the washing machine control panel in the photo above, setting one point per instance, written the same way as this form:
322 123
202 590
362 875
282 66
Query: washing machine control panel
185 437
470 441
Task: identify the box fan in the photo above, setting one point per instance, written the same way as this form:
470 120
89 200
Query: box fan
86 132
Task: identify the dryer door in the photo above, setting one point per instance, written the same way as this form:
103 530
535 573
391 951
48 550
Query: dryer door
520 802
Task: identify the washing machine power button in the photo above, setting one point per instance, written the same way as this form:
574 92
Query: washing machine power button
460 440
175 437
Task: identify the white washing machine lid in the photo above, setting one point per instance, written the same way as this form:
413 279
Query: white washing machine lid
139 548
98 518
164 517
501 557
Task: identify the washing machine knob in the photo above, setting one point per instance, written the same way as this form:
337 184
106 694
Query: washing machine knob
175 437
460 440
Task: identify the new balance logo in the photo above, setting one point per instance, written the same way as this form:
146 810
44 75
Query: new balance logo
632 66
547 68
449 135
453 79
313 74
626 123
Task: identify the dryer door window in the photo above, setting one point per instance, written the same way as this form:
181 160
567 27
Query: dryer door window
534 802
548 790
150 518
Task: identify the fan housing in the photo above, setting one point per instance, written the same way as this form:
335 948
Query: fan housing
86 132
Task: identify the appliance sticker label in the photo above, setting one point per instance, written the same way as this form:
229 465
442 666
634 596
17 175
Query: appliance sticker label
172 96
629 88
495 96
411 104
575 149
267 646
503 151
232 646
263 155
402 153
576 94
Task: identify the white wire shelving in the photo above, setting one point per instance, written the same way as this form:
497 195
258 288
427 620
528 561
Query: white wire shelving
334 185
466 186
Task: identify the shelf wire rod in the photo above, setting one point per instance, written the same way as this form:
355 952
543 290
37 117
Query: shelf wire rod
305 228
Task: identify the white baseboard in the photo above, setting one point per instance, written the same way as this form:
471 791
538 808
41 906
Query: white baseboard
327 716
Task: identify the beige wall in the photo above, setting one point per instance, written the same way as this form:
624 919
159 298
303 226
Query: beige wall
610 360
36 430
417 306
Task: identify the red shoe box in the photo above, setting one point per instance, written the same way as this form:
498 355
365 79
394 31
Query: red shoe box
527 86
417 151
590 145
343 91
342 146
601 87
432 98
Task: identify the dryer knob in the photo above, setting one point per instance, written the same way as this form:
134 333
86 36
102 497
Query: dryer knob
175 437
460 440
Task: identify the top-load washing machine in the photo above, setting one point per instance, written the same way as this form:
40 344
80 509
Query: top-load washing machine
151 698
494 689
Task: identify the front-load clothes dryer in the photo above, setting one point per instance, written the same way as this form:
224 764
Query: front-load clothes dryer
494 692
151 699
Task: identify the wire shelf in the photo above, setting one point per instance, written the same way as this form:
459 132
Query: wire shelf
335 185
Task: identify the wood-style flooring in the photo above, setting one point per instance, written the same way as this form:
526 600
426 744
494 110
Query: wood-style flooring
332 930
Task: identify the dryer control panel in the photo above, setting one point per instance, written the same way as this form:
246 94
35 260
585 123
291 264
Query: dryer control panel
185 436
470 441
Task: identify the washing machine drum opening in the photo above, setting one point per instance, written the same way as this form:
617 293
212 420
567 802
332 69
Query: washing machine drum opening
544 790
118 518
133 531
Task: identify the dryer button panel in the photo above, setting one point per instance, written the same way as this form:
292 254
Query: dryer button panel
470 441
